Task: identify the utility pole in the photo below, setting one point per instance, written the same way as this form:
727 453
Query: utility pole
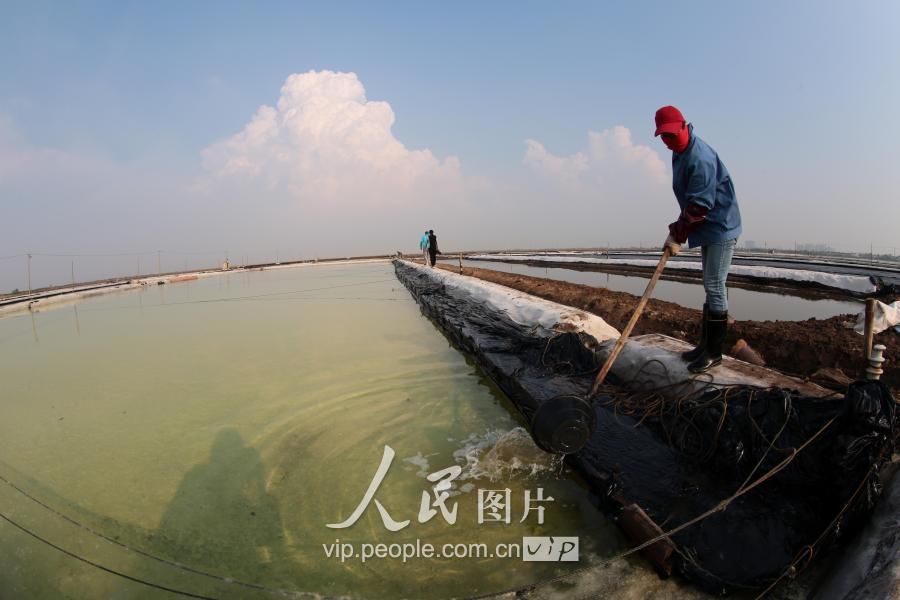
29 272
158 267
73 272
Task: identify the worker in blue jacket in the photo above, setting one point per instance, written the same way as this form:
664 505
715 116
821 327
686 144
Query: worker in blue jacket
710 218
423 246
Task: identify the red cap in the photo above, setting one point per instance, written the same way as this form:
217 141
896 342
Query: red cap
668 120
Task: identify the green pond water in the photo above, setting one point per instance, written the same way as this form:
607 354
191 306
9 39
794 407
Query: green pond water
199 437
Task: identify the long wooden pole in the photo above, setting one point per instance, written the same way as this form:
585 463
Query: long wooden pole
620 343
869 330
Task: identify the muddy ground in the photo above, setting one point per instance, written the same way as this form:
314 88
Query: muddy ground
795 347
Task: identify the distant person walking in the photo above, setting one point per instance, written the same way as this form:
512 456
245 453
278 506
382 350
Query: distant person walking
432 247
710 218
423 246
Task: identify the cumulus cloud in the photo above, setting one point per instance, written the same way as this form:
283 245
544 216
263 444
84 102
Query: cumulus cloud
617 190
610 155
324 143
566 168
319 172
324 158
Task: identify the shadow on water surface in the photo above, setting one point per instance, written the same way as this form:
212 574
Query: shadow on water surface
223 519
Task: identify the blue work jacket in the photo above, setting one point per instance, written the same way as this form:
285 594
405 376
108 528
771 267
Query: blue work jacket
700 177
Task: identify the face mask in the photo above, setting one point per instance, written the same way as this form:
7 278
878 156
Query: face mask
680 142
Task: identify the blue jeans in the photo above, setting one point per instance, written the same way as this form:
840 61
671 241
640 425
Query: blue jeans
716 261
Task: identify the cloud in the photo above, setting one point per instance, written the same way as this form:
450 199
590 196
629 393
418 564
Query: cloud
612 191
319 173
325 146
566 168
611 156
323 159
78 201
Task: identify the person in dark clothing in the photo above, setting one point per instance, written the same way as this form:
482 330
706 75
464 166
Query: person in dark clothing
432 247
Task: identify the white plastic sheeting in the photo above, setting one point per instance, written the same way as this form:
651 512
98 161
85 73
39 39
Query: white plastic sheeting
853 283
886 316
649 360
37 301
654 360
67 297
523 308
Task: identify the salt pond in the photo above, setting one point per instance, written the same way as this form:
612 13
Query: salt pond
200 437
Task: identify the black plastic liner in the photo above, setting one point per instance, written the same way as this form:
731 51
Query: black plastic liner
685 458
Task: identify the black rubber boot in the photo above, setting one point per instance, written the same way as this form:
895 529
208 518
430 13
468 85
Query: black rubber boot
690 355
716 328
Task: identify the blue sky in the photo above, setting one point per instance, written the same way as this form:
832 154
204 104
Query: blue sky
799 98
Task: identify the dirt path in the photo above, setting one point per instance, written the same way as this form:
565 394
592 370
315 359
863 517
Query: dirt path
795 347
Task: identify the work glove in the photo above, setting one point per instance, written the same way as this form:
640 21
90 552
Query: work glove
673 246
690 219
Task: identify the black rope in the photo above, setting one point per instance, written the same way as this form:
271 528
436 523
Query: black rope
171 563
101 567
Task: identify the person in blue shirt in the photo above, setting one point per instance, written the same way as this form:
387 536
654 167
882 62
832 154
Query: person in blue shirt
423 246
710 218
